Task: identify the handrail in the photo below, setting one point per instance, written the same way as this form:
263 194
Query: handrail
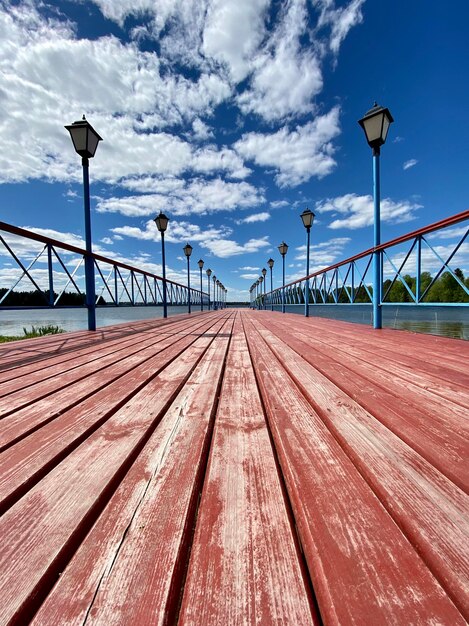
22 232
137 285
345 282
450 221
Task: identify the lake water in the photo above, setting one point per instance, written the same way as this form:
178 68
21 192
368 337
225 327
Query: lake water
437 320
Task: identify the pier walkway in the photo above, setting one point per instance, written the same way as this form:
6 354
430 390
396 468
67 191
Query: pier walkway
234 467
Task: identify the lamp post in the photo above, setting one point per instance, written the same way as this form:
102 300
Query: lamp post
308 218
209 273
270 263
161 222
375 124
214 293
85 141
188 251
261 300
218 294
264 272
283 249
201 264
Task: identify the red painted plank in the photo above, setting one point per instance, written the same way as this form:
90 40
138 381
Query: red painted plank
19 353
430 509
433 428
245 566
26 461
25 395
355 551
431 371
34 414
41 531
129 569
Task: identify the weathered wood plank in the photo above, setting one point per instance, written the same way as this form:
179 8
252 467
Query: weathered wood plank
245 566
25 462
355 551
31 393
130 568
23 352
429 508
433 428
41 531
27 419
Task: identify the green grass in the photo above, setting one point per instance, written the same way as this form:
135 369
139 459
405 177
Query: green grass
38 331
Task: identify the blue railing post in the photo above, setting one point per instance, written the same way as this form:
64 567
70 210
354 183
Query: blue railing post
89 261
377 317
51 274
418 288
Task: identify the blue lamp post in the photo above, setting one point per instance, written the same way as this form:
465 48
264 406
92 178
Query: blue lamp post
201 265
209 273
85 141
188 251
270 263
161 222
283 249
214 278
375 124
264 272
308 218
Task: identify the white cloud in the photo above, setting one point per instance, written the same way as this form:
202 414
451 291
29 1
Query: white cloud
410 163
224 248
249 268
278 204
201 131
256 217
286 78
341 20
249 276
198 196
178 231
233 33
325 253
357 211
296 155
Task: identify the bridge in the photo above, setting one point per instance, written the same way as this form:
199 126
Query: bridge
234 467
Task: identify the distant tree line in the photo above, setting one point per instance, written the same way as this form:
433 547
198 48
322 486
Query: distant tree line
41 298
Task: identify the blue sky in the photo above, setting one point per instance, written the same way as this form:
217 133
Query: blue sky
232 116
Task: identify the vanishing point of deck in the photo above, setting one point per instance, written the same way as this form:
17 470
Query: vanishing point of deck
234 467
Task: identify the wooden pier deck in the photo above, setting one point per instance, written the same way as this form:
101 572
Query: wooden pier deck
234 467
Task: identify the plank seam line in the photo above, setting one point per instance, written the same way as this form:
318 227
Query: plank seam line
198 483
84 376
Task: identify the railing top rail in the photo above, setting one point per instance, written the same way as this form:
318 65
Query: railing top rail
449 221
22 232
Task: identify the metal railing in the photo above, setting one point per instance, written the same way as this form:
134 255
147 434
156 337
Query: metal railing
54 270
411 268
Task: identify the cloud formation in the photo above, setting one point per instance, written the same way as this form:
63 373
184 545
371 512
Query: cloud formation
410 163
352 211
153 94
